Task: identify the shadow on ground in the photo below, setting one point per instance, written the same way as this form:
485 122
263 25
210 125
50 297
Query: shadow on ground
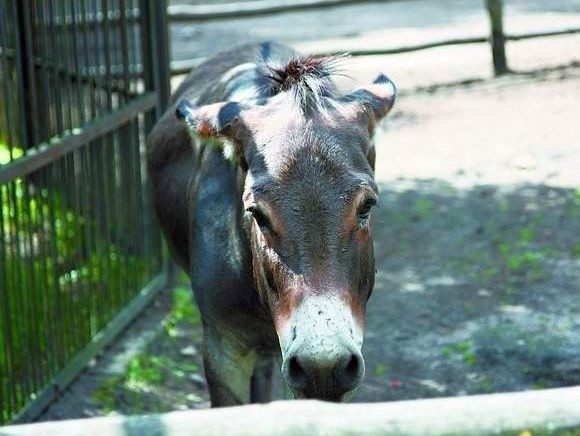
477 290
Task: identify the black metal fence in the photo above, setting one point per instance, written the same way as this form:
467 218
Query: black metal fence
81 82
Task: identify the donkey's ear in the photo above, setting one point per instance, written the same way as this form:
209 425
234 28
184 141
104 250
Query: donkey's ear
210 121
379 97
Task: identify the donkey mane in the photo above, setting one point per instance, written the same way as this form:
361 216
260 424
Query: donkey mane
307 78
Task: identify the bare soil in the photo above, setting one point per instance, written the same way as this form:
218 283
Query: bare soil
477 241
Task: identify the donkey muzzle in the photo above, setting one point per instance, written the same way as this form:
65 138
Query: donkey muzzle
322 358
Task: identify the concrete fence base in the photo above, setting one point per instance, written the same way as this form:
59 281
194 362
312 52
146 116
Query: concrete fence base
546 410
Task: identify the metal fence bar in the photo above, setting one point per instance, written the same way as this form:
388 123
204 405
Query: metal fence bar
159 78
71 175
9 124
8 395
25 74
40 36
47 153
56 95
67 375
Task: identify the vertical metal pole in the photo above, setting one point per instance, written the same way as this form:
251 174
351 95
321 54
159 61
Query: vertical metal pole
27 83
157 76
160 51
161 61
495 12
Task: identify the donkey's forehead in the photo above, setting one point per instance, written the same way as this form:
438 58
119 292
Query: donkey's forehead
308 157
314 170
286 143
280 113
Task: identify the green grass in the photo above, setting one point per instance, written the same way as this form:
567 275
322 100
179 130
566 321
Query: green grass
59 288
577 196
461 350
380 370
543 432
521 254
486 385
154 370
184 310
141 389
423 208
576 250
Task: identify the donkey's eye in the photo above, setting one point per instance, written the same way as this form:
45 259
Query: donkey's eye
261 219
364 212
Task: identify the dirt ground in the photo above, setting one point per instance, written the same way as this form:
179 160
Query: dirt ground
477 241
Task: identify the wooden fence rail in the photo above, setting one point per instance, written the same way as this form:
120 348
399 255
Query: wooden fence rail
251 9
497 38
185 66
512 413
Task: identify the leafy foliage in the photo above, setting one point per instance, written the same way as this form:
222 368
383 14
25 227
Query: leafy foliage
143 386
62 279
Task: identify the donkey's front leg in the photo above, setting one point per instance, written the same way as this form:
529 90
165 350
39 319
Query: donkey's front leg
228 369
261 387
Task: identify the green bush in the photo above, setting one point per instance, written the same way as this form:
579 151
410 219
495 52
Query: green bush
57 290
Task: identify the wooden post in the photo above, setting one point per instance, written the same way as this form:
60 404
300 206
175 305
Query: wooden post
495 11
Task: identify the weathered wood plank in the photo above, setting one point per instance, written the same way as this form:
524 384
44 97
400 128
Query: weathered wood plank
249 9
548 410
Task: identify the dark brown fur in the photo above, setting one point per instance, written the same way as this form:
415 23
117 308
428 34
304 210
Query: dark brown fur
272 235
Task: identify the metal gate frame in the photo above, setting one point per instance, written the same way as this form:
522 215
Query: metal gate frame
149 102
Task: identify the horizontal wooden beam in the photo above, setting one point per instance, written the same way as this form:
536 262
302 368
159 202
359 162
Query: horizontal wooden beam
185 66
250 9
533 411
569 31
46 153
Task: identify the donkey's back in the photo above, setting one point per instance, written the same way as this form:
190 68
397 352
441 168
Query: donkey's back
174 159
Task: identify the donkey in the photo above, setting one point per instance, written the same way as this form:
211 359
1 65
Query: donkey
263 184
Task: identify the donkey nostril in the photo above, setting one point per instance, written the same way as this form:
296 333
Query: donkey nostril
326 376
350 372
352 368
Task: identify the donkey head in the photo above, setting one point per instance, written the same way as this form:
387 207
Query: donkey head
308 160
